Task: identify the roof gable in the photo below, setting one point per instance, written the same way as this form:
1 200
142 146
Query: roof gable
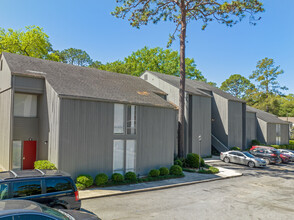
265 116
84 82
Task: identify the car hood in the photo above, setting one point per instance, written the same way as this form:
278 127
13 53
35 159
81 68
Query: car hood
80 214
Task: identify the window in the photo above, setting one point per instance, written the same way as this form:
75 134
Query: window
1 65
3 191
130 155
131 119
124 156
145 77
57 185
16 155
278 134
119 119
28 188
118 156
25 105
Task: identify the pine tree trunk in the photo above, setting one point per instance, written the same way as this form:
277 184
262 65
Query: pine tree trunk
181 124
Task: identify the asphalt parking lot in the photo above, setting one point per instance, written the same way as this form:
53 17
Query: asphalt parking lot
261 193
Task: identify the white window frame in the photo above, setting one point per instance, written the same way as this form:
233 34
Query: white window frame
128 166
119 116
25 105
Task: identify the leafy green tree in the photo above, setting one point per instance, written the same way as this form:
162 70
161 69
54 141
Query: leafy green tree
33 42
287 106
182 12
152 59
237 85
75 57
266 75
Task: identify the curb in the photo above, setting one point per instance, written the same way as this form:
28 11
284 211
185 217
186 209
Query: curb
163 187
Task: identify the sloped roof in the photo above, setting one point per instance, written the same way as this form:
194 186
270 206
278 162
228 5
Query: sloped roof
265 116
196 87
84 82
175 81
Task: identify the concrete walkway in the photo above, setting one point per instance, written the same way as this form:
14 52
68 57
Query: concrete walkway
190 178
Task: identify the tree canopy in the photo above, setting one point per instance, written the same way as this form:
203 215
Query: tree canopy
153 59
75 57
238 86
33 42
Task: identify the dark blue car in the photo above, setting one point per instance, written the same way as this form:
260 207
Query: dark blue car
53 188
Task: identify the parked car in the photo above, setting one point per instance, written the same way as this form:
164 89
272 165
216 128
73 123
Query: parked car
285 158
288 153
28 210
269 154
53 188
244 158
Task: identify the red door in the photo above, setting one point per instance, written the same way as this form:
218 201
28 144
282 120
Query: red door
29 154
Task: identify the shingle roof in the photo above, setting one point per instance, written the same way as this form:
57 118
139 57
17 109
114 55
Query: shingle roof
74 81
265 116
175 81
196 87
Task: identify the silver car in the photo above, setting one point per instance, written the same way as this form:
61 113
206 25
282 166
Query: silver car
243 158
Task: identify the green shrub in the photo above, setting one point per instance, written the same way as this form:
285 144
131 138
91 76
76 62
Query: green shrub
44 165
131 176
80 186
164 171
255 142
291 142
178 162
210 170
176 170
86 180
154 173
235 148
192 160
189 170
101 179
202 162
117 177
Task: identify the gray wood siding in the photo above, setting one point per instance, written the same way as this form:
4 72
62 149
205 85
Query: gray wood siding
43 125
284 134
54 124
156 138
25 128
86 137
201 125
172 91
29 85
251 127
219 109
5 129
261 131
271 134
5 76
235 119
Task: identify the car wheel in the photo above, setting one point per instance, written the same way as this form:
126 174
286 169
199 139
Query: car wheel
251 164
267 161
227 160
280 160
59 207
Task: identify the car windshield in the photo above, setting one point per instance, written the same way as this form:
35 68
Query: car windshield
248 154
53 212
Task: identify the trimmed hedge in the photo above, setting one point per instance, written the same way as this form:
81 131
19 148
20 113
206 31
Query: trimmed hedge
154 173
117 177
86 180
176 170
210 170
163 171
131 176
178 162
235 148
80 186
255 142
44 165
101 179
192 160
291 142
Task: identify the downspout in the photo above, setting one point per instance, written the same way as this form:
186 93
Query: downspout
11 123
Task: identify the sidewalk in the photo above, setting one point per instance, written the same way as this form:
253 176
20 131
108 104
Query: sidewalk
190 178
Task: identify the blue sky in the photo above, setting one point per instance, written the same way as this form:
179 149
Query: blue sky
219 51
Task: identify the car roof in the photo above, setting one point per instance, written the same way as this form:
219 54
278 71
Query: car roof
22 174
20 205
266 147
